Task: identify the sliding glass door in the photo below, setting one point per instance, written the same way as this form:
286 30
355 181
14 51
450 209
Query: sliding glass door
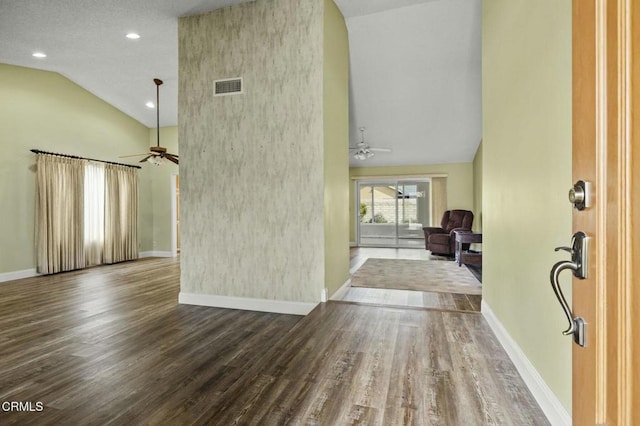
413 212
392 213
378 214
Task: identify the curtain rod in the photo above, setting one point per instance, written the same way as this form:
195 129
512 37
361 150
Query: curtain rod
37 151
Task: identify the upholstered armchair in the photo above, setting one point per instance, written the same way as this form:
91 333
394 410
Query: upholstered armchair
442 240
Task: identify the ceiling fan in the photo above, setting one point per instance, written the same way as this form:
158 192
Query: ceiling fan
363 150
157 154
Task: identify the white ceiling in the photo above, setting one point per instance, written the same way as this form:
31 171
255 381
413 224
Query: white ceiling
85 41
416 82
415 64
351 8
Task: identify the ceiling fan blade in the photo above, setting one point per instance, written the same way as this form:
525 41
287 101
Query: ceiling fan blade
381 149
146 158
133 155
171 158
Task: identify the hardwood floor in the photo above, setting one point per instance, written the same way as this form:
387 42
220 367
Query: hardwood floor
414 299
110 345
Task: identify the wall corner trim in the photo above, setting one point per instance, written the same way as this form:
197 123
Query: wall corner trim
246 303
549 403
342 291
17 275
144 254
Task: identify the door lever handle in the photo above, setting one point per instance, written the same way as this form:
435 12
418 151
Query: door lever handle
555 284
577 265
565 248
579 253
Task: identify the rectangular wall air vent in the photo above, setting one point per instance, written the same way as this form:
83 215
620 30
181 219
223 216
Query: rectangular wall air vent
228 86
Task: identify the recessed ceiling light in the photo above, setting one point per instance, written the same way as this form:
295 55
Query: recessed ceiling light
150 104
133 36
39 55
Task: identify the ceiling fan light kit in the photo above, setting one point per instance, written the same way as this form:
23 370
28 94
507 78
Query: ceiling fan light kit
156 160
363 154
364 151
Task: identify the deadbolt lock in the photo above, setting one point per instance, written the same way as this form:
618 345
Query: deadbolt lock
576 195
580 195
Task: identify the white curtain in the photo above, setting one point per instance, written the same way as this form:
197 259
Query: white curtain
59 214
94 213
86 213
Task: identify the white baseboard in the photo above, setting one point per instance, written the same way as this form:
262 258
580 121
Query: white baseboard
17 275
353 244
342 291
246 303
144 254
551 406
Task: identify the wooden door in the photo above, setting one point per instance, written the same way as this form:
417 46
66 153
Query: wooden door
606 152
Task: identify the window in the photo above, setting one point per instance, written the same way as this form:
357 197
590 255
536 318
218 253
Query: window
93 212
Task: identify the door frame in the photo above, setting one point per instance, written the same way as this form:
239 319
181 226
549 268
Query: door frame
606 150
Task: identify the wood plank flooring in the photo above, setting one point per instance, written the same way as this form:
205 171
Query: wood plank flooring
414 299
110 345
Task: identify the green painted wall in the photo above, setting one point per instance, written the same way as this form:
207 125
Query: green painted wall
161 177
459 184
336 148
526 86
45 110
477 190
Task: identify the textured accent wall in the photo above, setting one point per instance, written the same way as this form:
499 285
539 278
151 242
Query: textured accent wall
251 165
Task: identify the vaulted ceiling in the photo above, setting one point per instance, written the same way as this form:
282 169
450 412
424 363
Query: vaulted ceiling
416 82
415 64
